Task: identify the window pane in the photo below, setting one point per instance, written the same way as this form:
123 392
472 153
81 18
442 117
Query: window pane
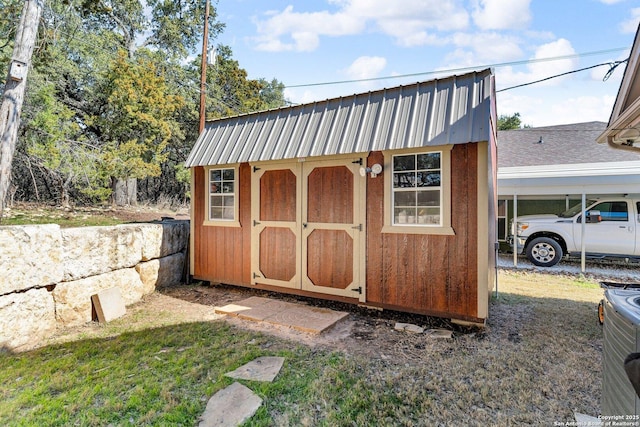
227 187
429 216
429 161
216 213
227 213
215 187
216 201
227 174
227 201
429 198
404 216
404 180
502 228
215 175
404 163
612 211
501 208
404 199
428 179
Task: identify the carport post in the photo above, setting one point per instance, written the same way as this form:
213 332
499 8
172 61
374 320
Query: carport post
515 230
582 231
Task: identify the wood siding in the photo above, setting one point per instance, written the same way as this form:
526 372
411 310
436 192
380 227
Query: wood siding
429 274
222 254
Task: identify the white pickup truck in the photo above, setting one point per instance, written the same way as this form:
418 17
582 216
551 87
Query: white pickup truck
611 230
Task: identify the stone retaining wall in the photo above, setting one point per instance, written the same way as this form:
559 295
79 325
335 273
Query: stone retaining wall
48 273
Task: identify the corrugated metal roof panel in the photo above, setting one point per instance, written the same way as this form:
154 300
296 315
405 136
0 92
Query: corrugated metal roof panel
453 110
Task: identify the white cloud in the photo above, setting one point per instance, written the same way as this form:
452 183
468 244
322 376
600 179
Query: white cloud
537 111
485 48
301 31
410 23
541 68
501 14
630 26
611 1
366 67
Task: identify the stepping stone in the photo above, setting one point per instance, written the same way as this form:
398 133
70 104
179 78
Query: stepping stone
408 327
230 407
439 333
261 369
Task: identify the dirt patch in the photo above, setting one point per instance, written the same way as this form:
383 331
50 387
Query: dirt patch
365 332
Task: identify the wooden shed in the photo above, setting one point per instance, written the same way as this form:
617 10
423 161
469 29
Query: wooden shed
385 198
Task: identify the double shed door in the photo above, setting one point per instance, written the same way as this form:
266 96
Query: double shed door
308 226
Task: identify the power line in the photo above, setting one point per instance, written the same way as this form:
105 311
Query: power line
461 69
612 67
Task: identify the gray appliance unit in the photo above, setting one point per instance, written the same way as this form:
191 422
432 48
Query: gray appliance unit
621 330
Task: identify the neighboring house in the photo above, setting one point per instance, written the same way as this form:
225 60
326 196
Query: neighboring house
385 198
623 130
548 169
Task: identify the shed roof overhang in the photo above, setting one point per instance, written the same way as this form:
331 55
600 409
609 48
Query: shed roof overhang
623 130
452 110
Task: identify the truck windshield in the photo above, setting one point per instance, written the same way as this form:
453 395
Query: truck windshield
576 209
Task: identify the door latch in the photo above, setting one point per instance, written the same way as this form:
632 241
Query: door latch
358 290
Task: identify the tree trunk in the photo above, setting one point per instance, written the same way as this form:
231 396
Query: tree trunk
124 191
15 85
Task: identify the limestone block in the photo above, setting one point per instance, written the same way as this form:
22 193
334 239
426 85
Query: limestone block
31 256
73 299
95 250
164 238
26 318
157 273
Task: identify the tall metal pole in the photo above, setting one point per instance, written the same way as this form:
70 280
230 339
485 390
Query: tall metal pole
203 67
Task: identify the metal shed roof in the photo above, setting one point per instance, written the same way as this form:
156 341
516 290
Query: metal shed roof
452 110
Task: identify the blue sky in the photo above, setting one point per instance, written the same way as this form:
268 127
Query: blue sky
317 41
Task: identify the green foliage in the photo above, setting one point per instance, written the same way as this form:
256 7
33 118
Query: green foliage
232 93
113 97
139 118
509 122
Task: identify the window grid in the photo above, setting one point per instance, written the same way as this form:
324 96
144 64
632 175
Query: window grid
417 190
222 194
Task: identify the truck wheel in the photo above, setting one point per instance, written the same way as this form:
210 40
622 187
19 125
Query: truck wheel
544 252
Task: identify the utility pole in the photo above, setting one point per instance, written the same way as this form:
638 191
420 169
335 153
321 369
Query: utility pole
203 67
13 96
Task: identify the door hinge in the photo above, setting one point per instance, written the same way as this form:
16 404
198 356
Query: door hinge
256 169
358 227
358 290
357 162
255 276
256 223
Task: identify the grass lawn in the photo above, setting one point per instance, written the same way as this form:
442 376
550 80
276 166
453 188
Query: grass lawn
537 362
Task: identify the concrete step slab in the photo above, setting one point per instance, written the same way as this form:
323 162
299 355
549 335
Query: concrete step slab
230 407
304 318
264 368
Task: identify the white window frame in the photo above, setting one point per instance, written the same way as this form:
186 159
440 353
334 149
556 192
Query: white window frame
235 222
444 227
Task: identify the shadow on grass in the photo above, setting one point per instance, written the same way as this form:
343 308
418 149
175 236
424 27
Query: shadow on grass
155 376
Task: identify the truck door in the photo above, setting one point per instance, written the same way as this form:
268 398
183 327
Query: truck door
615 234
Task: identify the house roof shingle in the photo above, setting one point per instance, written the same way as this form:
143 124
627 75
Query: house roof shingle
562 144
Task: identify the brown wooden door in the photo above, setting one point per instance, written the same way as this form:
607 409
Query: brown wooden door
276 224
333 228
